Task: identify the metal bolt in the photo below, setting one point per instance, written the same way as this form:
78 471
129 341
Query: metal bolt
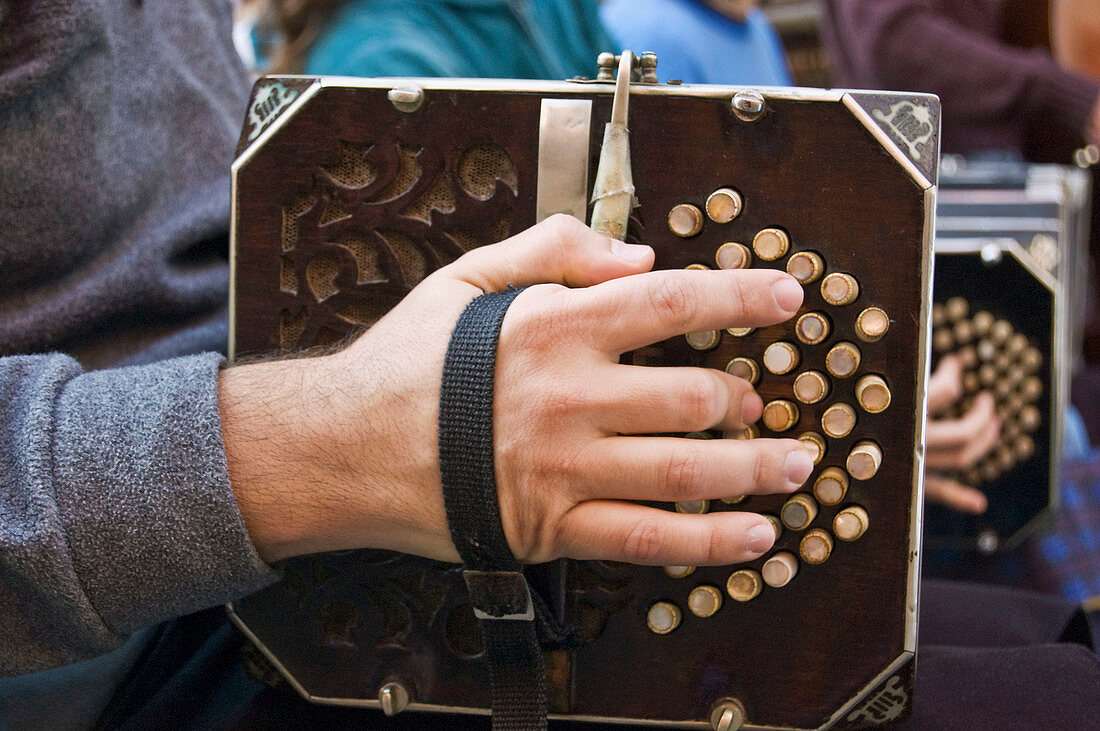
607 62
748 105
648 62
991 254
988 541
394 698
407 98
727 715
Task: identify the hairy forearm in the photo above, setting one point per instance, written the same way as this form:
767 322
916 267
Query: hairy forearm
298 440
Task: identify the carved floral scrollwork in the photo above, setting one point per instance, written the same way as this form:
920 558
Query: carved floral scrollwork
377 222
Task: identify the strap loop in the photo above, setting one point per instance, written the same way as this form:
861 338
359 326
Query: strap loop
498 590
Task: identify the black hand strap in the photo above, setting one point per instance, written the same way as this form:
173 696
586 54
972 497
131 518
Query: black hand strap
498 589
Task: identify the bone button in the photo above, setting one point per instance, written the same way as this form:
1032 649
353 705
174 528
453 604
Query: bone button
938 316
749 432
831 486
942 341
864 460
733 500
851 523
732 255
956 308
806 266
739 332
724 205
872 324
704 339
963 332
815 546
839 289
810 387
663 617
778 570
771 243
679 572
685 220
872 394
798 512
704 601
842 360
814 444
812 328
1030 418
743 585
1031 360
780 415
1000 332
838 420
697 267
781 358
981 323
744 368
692 507
1031 389
777 524
1023 447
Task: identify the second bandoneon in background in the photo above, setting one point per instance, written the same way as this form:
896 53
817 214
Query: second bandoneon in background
348 192
1011 257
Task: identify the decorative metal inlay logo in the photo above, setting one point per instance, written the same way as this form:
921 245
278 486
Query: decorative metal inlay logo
911 123
1044 250
885 705
270 100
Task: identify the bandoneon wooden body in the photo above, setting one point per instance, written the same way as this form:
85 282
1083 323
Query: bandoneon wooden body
347 192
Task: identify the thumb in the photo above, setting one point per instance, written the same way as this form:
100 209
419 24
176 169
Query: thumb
559 250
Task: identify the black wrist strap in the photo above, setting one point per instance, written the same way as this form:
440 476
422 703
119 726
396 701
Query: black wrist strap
498 590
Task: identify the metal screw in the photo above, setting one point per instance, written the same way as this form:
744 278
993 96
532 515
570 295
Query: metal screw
394 698
607 63
727 715
748 105
406 98
988 540
991 254
648 62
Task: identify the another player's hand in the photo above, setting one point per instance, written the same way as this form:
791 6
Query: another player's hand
341 451
956 444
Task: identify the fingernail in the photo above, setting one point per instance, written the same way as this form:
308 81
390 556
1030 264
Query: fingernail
788 294
629 252
759 538
752 406
799 465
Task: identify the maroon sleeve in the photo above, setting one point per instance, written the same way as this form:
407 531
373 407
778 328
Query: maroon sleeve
990 91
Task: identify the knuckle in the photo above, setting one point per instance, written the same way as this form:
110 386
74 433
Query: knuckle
644 543
681 474
760 471
701 400
674 300
719 547
742 295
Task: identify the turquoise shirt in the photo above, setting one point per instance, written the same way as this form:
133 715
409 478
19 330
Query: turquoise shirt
523 39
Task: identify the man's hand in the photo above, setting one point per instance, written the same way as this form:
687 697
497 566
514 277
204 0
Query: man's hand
341 451
956 444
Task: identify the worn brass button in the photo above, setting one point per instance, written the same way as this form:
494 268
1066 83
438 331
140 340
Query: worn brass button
685 220
771 243
724 205
732 255
806 266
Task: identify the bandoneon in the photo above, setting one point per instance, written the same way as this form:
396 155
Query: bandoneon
347 192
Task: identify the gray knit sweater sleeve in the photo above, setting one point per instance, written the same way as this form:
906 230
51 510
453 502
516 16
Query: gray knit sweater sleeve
116 510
